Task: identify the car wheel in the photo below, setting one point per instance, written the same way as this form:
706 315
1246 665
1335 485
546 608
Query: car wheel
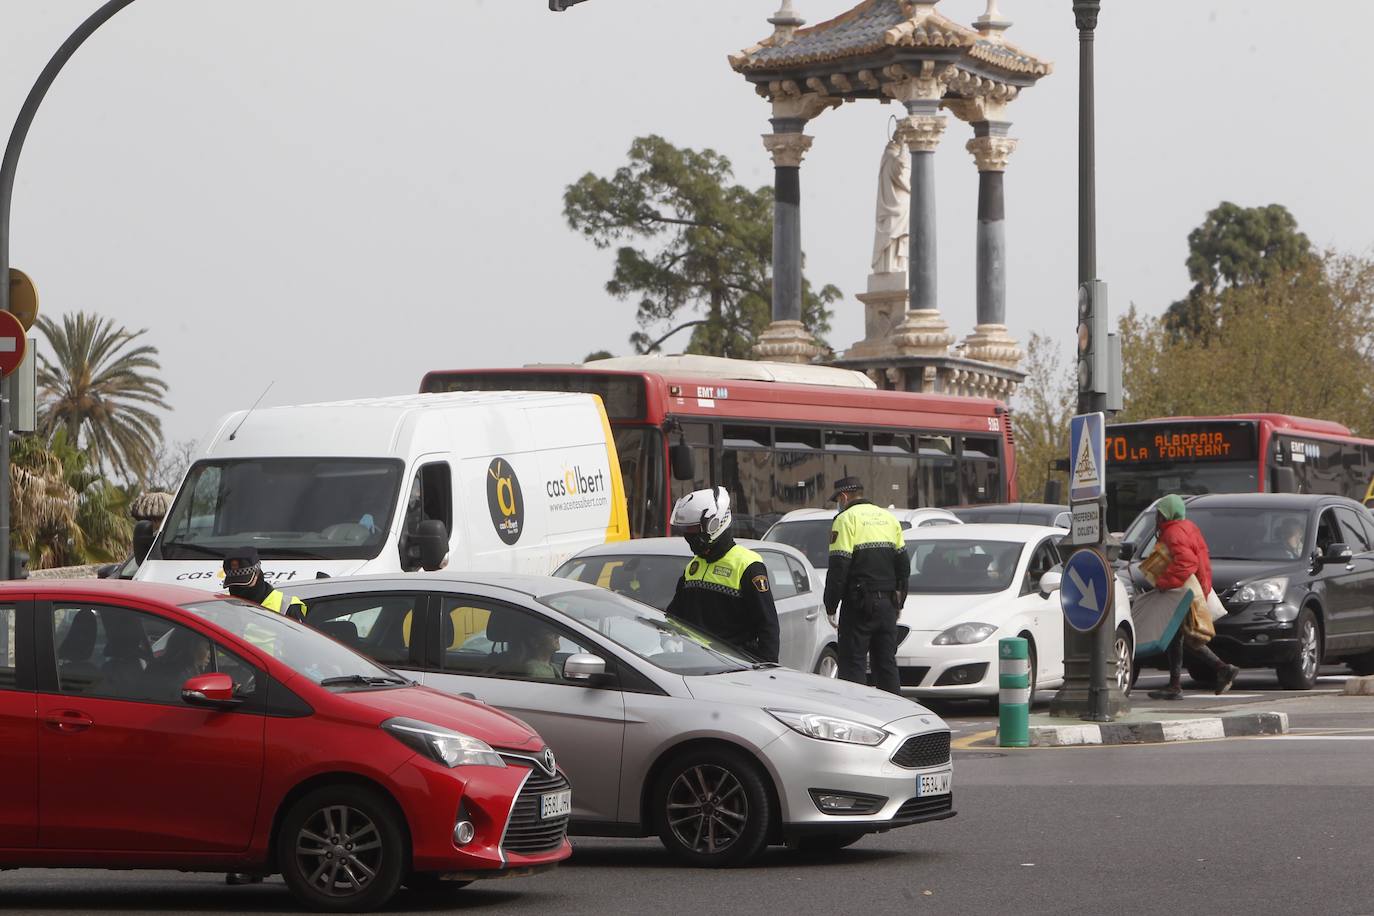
713 808
1124 652
829 663
1030 660
1301 672
341 849
826 843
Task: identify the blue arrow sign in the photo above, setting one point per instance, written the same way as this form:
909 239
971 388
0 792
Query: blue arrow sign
1086 592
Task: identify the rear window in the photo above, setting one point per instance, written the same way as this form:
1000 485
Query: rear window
651 579
811 537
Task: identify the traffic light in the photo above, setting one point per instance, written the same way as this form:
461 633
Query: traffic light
1094 372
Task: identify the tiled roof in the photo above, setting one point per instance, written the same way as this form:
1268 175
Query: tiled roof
871 27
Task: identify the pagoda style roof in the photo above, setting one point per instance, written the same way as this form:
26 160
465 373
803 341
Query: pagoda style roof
882 33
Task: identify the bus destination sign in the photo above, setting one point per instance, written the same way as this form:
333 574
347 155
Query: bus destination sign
1182 443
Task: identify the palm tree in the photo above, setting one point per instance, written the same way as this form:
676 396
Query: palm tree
100 388
64 513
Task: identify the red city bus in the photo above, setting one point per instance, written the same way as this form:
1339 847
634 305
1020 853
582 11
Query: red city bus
776 436
1239 453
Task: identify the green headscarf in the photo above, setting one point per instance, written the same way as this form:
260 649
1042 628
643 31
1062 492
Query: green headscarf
1171 507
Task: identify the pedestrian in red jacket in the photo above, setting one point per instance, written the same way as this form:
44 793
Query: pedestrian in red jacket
1188 556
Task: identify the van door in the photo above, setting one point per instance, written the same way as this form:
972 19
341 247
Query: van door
430 497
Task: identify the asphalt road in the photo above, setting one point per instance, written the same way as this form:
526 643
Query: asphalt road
1255 826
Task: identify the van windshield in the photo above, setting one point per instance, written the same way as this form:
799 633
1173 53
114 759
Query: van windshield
289 508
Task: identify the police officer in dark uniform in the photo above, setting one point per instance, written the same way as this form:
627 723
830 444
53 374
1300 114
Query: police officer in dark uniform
724 590
867 583
243 578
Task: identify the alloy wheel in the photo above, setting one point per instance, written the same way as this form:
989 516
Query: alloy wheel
1124 661
707 809
339 850
1311 653
829 666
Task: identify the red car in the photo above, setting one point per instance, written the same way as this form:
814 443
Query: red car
153 726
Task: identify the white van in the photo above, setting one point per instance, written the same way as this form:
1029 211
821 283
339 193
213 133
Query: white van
497 481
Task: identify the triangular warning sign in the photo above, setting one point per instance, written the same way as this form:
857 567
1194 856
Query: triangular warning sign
1085 465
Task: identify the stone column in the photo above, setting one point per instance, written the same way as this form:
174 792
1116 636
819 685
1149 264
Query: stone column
786 339
923 332
990 342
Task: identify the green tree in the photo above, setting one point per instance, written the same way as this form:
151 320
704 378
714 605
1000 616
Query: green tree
101 387
1299 343
65 513
1045 402
702 245
1235 247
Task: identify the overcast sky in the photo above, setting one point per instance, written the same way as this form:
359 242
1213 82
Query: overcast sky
340 195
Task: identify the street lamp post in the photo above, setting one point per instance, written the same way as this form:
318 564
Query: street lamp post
7 170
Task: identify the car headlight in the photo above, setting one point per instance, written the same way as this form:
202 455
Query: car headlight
965 634
829 728
1262 590
451 748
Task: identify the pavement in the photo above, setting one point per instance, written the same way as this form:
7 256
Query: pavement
1271 825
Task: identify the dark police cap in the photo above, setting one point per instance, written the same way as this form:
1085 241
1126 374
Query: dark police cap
846 485
242 566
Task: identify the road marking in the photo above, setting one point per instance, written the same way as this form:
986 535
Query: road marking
1318 737
966 743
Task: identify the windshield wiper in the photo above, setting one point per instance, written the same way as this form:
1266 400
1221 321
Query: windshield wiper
362 680
194 548
761 665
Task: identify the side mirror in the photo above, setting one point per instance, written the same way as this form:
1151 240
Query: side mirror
681 458
584 668
1127 551
143 539
1050 582
210 691
432 538
1337 553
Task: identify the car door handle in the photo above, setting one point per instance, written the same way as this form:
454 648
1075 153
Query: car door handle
813 615
69 720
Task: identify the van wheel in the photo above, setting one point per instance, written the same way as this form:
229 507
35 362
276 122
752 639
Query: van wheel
341 849
713 808
829 663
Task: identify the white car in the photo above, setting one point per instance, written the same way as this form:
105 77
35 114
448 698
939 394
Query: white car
647 570
973 585
808 530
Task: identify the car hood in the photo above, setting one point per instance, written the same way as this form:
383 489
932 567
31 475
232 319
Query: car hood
1227 574
208 574
934 613
782 688
470 717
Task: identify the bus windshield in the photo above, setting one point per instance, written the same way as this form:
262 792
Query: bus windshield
1131 492
290 508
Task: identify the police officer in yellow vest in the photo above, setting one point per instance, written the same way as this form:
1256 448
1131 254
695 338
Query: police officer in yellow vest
724 591
243 578
867 583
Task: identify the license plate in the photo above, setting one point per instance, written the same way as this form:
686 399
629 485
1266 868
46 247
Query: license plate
558 804
934 783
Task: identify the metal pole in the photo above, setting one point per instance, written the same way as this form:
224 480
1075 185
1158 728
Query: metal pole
7 170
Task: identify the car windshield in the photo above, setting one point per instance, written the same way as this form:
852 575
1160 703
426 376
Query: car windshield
300 648
652 635
811 537
646 578
962 566
289 508
1251 533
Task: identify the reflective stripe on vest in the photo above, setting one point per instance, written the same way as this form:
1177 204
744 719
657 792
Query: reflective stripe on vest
273 603
864 527
724 575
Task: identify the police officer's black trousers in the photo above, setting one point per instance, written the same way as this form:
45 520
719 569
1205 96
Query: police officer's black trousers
868 634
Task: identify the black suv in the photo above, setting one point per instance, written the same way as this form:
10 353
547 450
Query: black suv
1296 573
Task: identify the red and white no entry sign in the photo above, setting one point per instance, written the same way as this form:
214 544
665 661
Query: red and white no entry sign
13 341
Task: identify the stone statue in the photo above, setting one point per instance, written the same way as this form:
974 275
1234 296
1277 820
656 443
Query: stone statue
893 220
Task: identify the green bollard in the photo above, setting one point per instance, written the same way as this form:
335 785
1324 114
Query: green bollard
1013 699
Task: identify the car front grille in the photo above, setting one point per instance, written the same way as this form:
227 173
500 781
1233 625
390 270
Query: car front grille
919 807
923 751
527 833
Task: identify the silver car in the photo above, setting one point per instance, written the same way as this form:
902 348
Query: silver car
660 730
647 569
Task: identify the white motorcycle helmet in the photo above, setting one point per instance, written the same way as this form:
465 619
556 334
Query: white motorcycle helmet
702 517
